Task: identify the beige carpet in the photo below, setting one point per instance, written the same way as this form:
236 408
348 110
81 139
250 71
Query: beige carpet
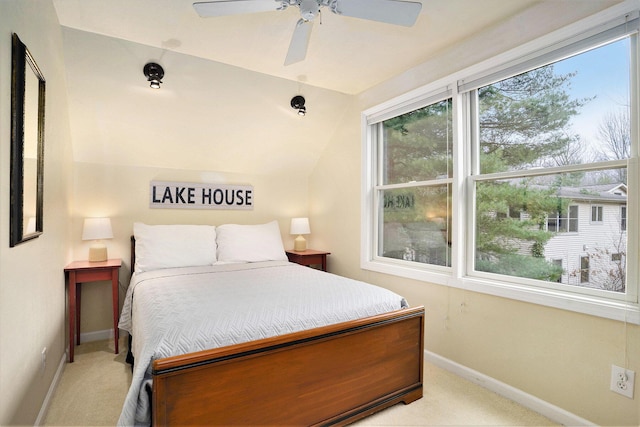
92 390
93 387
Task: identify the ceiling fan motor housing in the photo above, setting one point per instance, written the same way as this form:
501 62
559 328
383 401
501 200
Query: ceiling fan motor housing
309 9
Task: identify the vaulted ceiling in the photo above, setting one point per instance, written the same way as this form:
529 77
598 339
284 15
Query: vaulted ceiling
345 54
224 104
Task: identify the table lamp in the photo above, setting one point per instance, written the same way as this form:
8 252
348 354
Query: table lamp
97 229
300 226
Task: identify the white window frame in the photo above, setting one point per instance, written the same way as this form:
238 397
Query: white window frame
598 210
550 47
379 186
571 220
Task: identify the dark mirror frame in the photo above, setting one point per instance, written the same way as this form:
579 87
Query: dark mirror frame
22 63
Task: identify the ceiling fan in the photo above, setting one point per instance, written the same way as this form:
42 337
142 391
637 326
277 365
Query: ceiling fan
397 12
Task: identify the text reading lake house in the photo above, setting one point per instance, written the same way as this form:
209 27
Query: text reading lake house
188 195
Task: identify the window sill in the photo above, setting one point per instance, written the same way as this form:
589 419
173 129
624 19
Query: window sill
594 306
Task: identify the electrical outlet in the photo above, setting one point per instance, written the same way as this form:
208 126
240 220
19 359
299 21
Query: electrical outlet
43 360
622 381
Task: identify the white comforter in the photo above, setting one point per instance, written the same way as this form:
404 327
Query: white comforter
182 310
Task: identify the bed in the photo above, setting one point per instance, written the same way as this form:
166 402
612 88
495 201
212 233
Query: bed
226 331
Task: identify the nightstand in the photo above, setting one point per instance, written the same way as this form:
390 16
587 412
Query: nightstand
309 257
83 272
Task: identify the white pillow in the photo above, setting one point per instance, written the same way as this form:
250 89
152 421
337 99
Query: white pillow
168 246
250 243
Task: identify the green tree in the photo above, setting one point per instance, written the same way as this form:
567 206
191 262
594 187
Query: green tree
418 144
523 119
523 123
510 229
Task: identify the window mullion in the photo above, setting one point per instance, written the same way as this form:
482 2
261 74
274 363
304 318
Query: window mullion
412 184
611 164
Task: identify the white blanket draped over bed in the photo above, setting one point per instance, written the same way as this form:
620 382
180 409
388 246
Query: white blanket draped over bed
182 310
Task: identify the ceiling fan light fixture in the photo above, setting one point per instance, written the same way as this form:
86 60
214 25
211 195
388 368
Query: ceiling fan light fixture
297 102
154 74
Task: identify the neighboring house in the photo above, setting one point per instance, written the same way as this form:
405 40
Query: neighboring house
590 243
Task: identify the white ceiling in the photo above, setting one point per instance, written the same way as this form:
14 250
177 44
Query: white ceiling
345 54
224 104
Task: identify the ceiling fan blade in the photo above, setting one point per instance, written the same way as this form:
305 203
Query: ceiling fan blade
235 7
395 12
299 42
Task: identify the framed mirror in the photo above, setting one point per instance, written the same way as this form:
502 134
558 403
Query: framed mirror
27 145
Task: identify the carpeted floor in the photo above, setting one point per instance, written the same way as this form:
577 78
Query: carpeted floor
92 391
93 387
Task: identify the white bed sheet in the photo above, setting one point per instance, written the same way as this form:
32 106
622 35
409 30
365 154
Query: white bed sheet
182 310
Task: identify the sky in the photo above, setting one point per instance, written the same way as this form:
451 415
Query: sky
603 73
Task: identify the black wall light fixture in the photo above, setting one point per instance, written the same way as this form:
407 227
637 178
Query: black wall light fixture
154 74
297 102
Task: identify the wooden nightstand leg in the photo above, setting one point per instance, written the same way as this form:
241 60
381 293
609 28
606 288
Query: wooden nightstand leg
116 304
72 313
78 311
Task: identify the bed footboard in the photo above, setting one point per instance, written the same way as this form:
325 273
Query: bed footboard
332 375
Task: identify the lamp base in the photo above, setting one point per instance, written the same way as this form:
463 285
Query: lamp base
300 244
97 254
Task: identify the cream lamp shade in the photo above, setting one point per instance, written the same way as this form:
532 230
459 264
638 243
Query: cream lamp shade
97 229
300 226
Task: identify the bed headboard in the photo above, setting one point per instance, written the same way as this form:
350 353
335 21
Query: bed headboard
133 254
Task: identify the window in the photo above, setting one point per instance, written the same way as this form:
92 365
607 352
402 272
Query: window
494 185
584 269
558 263
596 214
563 221
414 191
530 153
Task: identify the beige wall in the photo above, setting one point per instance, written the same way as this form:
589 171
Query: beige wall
32 290
559 356
122 193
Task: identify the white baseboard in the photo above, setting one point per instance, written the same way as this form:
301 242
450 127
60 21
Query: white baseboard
105 334
52 389
527 400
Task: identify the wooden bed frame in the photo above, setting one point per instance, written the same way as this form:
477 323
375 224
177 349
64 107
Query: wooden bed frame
331 375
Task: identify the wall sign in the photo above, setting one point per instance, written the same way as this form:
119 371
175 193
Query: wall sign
189 195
